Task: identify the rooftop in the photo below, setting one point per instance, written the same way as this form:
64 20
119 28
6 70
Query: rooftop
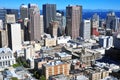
63 54
5 50
54 63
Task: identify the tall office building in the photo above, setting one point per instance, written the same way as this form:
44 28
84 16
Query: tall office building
14 36
35 29
3 38
53 28
117 24
110 20
13 11
86 29
3 13
49 14
62 22
41 24
95 25
1 24
73 20
26 30
23 11
10 18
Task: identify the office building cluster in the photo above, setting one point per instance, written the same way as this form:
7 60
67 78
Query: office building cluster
50 44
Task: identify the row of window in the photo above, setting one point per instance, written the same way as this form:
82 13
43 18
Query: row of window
5 57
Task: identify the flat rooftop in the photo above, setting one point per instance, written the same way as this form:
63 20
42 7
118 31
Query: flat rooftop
54 63
63 54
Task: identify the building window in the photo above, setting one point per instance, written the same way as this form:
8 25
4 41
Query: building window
6 62
12 62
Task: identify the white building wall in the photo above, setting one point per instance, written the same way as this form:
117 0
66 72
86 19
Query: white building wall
86 29
6 57
1 24
16 37
63 40
110 41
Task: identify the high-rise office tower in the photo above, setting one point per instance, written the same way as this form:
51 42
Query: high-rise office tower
3 13
86 29
53 28
110 20
3 38
26 29
41 25
62 22
23 11
95 24
117 26
14 36
73 20
10 18
13 11
1 24
34 14
49 14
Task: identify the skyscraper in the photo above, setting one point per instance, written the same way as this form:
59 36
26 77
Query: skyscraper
49 14
3 13
41 24
95 24
110 20
34 14
73 20
117 22
14 36
1 24
53 28
13 11
3 38
10 18
23 11
86 29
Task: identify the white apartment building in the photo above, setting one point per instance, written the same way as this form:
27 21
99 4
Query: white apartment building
6 57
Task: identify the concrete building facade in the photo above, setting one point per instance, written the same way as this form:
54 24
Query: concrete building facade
53 28
35 34
14 36
86 29
73 20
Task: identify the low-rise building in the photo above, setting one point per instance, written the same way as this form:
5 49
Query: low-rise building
55 68
63 56
58 77
87 56
63 40
50 42
6 57
96 73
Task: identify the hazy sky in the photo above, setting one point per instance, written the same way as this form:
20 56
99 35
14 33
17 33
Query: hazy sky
61 4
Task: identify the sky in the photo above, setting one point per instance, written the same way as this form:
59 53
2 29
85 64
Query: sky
61 4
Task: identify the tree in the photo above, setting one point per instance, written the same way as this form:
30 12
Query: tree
14 78
42 77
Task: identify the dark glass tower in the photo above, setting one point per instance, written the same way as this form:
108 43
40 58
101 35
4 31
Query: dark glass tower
49 14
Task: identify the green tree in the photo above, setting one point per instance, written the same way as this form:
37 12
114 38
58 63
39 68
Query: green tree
14 78
42 77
